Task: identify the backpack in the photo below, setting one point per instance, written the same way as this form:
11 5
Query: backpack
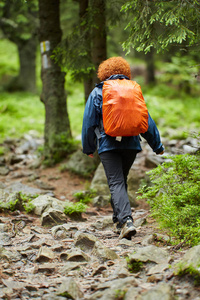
124 109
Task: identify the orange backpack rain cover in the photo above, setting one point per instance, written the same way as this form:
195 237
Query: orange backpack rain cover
124 109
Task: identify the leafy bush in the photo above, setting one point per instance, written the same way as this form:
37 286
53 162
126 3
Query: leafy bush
85 196
174 197
21 202
77 208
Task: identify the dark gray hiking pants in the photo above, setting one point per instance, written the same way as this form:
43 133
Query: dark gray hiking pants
117 164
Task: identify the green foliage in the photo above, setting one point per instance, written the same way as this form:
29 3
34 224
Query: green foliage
85 196
63 145
174 196
24 107
189 270
158 24
71 208
120 294
22 203
134 266
19 19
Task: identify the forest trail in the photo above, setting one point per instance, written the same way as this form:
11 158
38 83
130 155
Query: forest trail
84 259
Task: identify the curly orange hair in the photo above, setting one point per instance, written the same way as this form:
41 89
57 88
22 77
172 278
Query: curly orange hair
112 66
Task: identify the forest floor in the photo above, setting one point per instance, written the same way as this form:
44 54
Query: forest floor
31 278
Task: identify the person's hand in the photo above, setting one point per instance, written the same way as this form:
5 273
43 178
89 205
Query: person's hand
161 152
91 155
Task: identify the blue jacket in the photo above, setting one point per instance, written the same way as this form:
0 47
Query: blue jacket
92 119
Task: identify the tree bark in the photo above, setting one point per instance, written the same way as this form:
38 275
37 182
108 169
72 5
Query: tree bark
83 17
26 79
99 52
57 126
149 57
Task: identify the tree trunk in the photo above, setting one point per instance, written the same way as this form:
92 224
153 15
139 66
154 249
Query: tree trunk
26 80
99 52
57 126
83 16
149 57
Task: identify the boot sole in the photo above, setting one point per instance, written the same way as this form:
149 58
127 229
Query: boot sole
128 235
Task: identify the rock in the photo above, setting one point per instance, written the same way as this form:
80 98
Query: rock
103 253
45 254
5 238
190 263
52 217
24 189
44 202
99 182
80 163
189 149
150 253
161 291
43 185
70 289
159 268
15 159
148 239
139 222
4 170
105 222
63 231
101 201
113 289
152 161
12 256
70 265
85 241
77 255
48 268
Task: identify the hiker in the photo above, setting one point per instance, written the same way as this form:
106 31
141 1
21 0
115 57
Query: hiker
117 154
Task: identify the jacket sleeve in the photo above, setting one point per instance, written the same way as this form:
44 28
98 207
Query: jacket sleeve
152 136
90 122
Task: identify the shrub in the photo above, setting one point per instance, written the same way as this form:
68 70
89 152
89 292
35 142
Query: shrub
174 197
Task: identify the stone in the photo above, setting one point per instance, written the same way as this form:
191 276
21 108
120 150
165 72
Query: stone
85 241
43 185
52 217
99 181
105 222
159 268
150 253
190 263
139 222
63 231
45 254
161 291
111 289
5 238
103 253
11 256
70 289
80 163
75 255
4 170
101 201
152 161
70 265
43 202
24 189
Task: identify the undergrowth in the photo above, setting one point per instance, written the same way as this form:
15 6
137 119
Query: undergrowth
174 197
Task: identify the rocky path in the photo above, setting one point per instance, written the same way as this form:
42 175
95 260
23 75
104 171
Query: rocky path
85 259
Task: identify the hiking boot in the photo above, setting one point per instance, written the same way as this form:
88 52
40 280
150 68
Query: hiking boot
128 230
117 228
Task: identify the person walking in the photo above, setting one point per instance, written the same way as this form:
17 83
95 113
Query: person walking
117 154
